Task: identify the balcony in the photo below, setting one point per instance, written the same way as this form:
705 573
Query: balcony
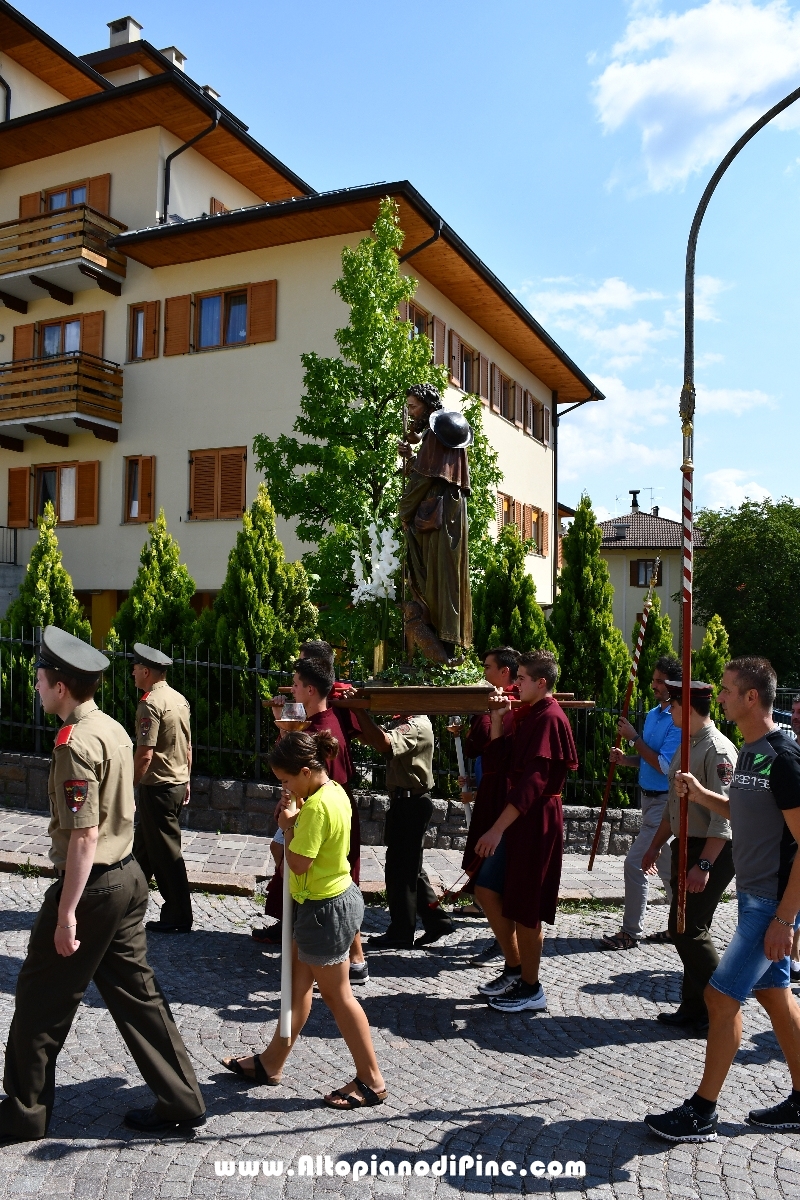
59 253
53 397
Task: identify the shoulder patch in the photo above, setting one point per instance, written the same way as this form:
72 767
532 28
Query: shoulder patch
144 726
64 734
75 793
725 772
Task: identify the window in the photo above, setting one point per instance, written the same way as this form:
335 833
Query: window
641 570
145 320
232 317
72 490
50 339
418 318
502 394
95 191
463 372
64 197
537 419
532 523
139 489
221 320
60 337
217 484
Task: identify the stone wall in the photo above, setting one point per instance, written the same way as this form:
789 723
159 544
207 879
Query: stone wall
241 806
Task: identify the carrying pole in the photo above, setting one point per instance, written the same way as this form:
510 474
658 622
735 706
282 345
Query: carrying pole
285 1023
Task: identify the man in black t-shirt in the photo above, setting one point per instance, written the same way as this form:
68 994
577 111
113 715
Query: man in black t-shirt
764 812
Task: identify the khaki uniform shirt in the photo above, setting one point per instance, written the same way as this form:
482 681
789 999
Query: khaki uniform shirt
412 753
91 784
162 724
712 759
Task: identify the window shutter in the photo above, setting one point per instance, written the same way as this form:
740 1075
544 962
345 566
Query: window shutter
455 358
92 333
544 524
518 405
232 464
439 331
147 472
634 576
499 512
518 514
546 430
483 378
98 194
496 389
24 342
30 205
86 480
177 324
19 490
402 310
262 305
527 522
216 207
152 322
203 485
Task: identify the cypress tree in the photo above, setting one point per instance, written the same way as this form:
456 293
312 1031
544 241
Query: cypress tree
505 612
158 608
708 663
45 594
657 642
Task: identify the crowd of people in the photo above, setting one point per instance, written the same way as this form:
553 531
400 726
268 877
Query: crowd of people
744 821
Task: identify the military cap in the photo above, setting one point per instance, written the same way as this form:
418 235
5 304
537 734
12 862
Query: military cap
149 657
699 690
453 430
60 651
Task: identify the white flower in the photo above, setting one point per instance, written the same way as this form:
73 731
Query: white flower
384 563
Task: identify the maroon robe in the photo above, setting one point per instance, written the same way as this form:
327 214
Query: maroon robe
341 770
535 759
490 798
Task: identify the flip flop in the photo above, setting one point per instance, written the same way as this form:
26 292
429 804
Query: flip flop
619 941
259 1075
367 1099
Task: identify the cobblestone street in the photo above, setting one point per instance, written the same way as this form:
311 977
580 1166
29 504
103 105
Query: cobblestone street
571 1084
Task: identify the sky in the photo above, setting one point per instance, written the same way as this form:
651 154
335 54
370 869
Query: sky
568 142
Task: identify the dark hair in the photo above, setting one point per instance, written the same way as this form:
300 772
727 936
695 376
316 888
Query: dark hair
701 705
758 674
504 656
426 393
540 664
670 666
317 673
796 699
80 687
317 650
297 750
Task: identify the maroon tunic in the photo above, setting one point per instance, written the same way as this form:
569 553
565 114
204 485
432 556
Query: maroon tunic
490 798
535 759
341 771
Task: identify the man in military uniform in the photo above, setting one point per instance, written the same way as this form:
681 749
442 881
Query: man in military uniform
90 924
162 766
409 778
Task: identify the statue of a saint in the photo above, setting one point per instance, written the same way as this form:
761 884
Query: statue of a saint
433 511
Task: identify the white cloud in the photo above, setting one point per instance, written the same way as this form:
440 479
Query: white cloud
613 293
727 488
694 81
733 401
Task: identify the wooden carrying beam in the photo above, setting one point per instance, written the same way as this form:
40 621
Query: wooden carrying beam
431 701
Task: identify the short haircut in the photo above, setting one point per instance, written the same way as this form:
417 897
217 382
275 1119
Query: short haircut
427 394
317 650
316 673
540 664
757 674
669 666
80 687
297 749
504 656
796 699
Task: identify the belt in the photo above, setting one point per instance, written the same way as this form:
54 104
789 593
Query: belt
408 793
100 869
647 792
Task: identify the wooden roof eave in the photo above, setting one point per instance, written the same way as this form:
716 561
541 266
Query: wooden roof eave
46 58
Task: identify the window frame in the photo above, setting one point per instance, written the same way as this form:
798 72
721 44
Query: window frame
148 516
38 470
644 566
135 311
224 295
65 187
468 354
415 313
62 322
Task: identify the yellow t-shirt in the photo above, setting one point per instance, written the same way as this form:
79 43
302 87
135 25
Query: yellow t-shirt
322 832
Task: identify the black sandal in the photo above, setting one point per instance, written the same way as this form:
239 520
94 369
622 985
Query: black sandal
259 1075
368 1098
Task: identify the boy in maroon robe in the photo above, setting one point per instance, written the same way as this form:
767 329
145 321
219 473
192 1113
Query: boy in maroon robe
517 884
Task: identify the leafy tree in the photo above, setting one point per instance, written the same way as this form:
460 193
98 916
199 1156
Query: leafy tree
708 663
45 595
157 610
485 475
657 642
505 612
749 574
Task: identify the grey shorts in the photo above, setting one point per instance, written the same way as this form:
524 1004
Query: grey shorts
324 929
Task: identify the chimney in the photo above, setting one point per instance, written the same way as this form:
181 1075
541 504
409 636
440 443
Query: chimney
210 92
175 56
634 499
621 532
123 31
655 510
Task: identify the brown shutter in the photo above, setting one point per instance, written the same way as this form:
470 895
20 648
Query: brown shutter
98 193
262 306
147 472
634 576
518 514
24 342
527 412
518 405
499 512
402 310
86 480
496 389
92 333
19 490
544 523
439 332
546 423
30 205
232 464
177 324
152 323
483 378
216 207
203 485
455 358
527 522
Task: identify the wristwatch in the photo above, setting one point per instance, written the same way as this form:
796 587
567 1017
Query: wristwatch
704 864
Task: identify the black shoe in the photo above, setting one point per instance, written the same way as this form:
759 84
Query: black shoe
384 941
491 953
785 1115
359 973
147 1120
267 935
432 935
683 1124
680 1019
163 927
522 997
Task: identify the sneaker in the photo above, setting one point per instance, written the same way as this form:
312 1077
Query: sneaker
501 983
683 1124
521 998
785 1115
490 953
359 973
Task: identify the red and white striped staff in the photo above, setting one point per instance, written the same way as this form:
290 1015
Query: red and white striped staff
687 509
648 603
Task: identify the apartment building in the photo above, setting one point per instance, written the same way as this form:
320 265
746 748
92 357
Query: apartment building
161 274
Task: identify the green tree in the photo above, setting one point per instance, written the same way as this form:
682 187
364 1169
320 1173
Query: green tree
505 612
708 663
657 642
157 610
45 594
485 475
748 572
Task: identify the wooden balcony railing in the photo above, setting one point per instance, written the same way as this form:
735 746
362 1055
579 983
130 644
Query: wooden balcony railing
68 385
67 235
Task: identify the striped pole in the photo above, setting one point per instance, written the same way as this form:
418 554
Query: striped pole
687 510
648 603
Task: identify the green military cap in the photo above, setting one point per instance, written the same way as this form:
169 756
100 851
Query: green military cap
61 651
150 657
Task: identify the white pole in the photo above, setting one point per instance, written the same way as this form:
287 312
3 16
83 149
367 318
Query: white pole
462 770
285 1024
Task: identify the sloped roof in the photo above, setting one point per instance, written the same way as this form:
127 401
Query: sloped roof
643 531
46 58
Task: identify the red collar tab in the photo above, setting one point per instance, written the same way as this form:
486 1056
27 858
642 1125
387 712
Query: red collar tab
143 697
64 734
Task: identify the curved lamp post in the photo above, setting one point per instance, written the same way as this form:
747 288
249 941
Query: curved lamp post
687 404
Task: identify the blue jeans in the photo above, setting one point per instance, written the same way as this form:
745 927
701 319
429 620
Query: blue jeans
744 967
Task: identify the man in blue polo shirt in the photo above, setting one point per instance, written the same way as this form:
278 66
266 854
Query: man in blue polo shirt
654 748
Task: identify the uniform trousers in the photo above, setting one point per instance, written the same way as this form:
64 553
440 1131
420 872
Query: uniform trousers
636 882
157 848
113 953
695 945
408 889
